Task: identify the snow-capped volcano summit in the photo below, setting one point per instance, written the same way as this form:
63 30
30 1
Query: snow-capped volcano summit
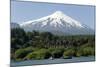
57 23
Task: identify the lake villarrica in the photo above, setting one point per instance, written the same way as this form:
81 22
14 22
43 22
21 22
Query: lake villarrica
54 61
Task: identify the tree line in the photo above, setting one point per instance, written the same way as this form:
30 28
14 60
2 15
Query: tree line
45 41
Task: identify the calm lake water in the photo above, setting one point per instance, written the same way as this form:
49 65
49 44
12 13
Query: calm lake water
54 61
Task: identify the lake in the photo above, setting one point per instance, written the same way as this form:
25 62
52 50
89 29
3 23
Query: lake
54 61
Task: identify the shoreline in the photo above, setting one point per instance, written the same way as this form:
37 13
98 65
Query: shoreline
54 61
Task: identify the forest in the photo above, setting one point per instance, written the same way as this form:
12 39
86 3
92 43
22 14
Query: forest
44 45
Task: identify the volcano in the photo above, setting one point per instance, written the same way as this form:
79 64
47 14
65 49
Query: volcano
57 23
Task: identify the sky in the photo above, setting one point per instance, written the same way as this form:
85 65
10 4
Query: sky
26 11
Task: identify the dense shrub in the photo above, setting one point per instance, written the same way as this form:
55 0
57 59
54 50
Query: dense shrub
78 53
88 51
51 49
68 53
40 54
85 51
57 53
21 53
32 55
29 49
93 51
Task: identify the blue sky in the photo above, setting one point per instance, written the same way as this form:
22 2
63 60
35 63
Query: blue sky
25 11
